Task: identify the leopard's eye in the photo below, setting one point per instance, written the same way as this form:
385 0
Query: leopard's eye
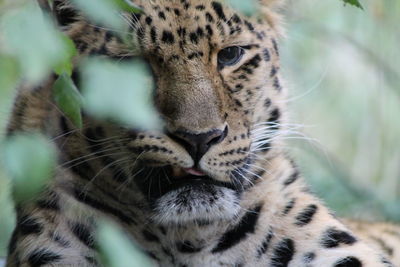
229 56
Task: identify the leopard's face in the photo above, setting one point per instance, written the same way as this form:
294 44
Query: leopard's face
218 93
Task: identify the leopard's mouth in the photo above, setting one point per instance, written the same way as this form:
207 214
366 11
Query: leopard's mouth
167 179
193 180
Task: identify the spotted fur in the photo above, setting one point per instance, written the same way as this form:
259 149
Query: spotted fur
252 207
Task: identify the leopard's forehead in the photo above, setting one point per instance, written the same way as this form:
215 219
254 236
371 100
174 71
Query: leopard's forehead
193 28
188 12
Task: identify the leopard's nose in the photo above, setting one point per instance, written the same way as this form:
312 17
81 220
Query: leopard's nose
198 144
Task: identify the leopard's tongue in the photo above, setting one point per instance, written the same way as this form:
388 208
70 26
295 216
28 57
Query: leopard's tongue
194 171
182 172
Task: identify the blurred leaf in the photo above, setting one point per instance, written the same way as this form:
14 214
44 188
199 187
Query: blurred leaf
29 160
7 214
8 81
248 7
68 99
117 250
105 12
31 37
8 73
120 91
66 66
354 3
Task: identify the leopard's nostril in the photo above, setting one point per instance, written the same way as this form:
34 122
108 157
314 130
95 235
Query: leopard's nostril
219 138
198 144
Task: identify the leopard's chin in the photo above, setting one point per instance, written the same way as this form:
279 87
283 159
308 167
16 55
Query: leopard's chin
197 202
188 197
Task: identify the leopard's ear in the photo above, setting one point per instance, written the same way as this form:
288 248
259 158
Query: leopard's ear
272 13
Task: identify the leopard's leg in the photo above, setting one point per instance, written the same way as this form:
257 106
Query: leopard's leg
52 231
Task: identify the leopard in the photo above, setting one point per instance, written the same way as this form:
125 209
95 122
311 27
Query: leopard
215 186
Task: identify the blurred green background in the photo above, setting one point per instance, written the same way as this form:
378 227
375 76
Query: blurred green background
340 64
342 69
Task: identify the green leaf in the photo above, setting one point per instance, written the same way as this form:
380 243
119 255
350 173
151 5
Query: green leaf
32 39
29 159
8 72
354 3
120 91
127 5
247 7
117 250
9 75
68 99
66 66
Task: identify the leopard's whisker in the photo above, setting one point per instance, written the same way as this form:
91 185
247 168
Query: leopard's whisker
90 156
104 168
